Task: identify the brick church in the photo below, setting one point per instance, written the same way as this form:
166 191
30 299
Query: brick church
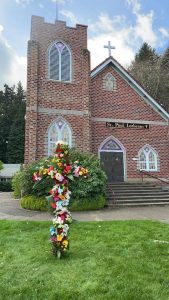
103 111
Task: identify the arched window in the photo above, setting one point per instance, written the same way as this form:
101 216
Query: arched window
109 82
58 131
148 159
60 62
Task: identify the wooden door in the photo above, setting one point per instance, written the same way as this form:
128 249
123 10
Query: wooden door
113 165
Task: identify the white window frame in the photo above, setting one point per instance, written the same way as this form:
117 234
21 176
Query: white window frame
114 88
59 134
60 70
147 162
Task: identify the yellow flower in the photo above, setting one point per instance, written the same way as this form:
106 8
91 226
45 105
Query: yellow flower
59 238
80 173
45 171
65 243
62 197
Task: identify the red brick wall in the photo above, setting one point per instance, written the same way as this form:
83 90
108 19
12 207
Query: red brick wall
126 104
47 94
83 100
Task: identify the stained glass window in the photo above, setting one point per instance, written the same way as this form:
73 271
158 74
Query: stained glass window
109 83
60 62
59 131
147 159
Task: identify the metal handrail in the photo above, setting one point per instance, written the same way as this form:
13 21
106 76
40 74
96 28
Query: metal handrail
152 176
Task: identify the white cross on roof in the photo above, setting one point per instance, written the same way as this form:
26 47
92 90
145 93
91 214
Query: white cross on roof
109 47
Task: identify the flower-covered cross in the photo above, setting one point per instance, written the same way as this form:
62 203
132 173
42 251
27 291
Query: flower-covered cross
61 171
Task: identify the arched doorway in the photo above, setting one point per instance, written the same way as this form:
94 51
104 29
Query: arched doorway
112 155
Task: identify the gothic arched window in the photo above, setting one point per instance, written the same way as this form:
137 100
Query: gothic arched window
148 159
109 82
59 62
58 131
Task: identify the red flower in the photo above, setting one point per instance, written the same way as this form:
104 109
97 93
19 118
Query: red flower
67 169
54 205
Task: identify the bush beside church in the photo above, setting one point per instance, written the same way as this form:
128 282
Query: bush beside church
86 195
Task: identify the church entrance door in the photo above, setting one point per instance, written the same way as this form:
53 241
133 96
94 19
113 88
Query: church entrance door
113 165
112 154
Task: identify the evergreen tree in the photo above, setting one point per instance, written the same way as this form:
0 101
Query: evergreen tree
16 140
163 90
146 69
15 147
145 53
7 98
12 112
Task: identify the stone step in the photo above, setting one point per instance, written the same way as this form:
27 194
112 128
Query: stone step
134 187
153 200
134 184
137 195
142 192
138 204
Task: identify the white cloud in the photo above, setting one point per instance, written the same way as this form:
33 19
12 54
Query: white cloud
69 15
135 4
61 1
164 32
23 1
116 31
13 66
126 37
144 28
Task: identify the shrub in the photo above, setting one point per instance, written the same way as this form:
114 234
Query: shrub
92 188
5 186
34 203
88 204
17 184
1 165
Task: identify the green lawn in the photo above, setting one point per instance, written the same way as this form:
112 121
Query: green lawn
107 260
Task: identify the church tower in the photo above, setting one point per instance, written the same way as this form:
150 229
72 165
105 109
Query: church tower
58 79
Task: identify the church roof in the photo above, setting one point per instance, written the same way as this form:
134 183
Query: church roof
132 82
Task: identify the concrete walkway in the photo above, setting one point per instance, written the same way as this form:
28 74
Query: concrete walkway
10 209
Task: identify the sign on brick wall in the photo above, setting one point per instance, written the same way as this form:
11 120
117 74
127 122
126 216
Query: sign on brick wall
127 125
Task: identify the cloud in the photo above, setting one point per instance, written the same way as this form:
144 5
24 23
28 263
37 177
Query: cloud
164 32
135 4
144 28
23 2
13 66
69 15
61 1
126 37
116 31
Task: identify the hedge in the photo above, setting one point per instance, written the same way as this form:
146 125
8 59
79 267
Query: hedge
5 186
40 204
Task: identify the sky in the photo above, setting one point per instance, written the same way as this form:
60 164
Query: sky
126 23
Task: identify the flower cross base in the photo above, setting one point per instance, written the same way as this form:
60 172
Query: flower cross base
61 171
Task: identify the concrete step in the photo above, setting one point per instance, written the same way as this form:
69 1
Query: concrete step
128 188
142 200
136 194
133 193
121 184
148 196
138 204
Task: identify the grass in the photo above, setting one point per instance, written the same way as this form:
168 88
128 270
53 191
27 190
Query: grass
107 260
